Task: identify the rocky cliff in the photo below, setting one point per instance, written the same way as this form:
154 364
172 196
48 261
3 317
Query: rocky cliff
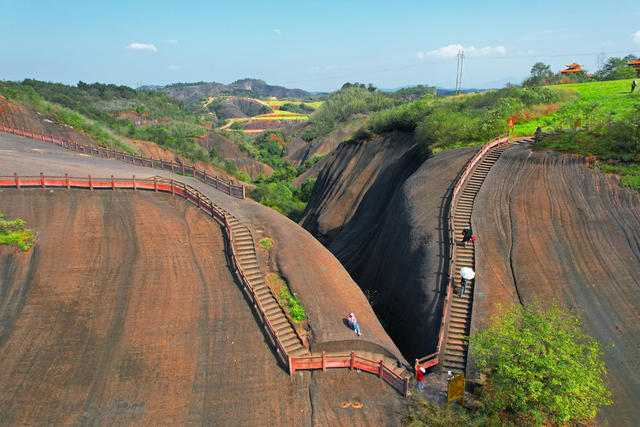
378 206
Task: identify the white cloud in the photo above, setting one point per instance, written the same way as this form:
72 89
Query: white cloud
420 55
636 37
173 67
277 31
142 46
452 50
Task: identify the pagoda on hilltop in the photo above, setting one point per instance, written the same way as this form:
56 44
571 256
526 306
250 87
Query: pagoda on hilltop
635 64
573 68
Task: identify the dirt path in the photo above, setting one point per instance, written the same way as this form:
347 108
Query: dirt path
549 227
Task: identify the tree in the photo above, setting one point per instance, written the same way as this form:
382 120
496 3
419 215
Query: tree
540 74
616 68
541 366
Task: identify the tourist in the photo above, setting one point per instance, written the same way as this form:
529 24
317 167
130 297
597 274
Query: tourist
467 233
420 378
633 86
353 323
463 286
538 134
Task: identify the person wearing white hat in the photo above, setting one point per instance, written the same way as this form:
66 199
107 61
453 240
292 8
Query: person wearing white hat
353 323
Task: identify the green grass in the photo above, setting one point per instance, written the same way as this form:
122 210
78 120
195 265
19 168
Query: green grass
13 233
629 175
266 243
587 103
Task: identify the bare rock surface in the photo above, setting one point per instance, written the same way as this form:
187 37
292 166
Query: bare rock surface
125 312
325 288
298 150
551 228
378 206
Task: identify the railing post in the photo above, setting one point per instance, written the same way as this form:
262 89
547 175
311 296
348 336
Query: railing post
230 184
42 179
113 183
155 184
134 183
353 360
217 179
243 192
406 387
15 175
152 161
171 165
90 183
324 361
205 175
198 195
173 189
66 180
380 370
182 168
292 368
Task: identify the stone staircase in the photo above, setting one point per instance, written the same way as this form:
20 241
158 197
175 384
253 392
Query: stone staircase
244 247
455 351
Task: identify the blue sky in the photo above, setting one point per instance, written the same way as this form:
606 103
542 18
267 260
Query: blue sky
312 45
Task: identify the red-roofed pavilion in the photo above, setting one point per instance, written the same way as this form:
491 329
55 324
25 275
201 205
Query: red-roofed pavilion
573 68
635 64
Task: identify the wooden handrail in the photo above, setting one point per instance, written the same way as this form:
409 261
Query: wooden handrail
234 190
434 359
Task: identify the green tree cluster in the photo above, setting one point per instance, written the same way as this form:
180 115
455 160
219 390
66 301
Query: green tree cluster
541 367
342 105
616 68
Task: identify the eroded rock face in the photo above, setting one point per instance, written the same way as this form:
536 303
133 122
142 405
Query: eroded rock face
229 151
298 150
378 207
551 228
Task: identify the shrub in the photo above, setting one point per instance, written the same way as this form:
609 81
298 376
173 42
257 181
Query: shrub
292 304
14 233
542 368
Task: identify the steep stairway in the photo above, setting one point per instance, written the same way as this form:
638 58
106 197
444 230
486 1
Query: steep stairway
459 321
244 247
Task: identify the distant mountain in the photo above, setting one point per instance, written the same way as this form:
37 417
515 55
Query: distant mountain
190 92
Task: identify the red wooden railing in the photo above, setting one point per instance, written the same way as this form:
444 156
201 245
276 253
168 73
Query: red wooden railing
351 361
177 167
192 195
434 359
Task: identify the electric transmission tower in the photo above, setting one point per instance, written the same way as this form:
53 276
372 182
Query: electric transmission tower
460 57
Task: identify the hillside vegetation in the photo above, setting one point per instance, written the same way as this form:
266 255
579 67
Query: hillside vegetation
602 119
458 120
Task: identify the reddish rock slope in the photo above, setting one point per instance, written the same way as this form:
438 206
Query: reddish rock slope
549 227
125 312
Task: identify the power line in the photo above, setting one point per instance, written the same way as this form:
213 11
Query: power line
472 58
